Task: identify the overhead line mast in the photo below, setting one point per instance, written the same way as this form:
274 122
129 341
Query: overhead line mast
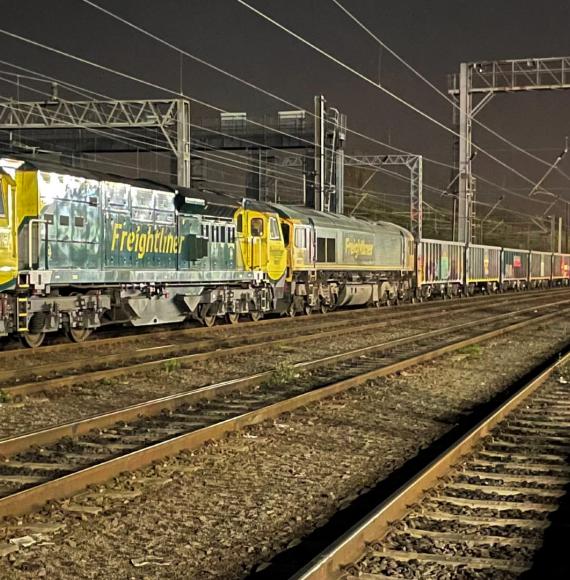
482 81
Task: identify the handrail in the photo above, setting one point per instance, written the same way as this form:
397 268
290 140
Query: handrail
31 242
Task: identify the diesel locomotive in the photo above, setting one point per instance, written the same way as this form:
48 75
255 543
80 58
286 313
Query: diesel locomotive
81 249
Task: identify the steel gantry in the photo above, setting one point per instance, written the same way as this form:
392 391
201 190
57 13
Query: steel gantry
414 163
171 117
100 126
480 81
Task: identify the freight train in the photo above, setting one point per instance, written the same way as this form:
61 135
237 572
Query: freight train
80 250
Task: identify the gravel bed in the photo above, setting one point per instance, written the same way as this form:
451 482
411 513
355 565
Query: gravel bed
83 400
416 569
407 543
430 536
515 514
426 523
228 508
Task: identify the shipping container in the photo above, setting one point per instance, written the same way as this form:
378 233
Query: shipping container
540 265
441 262
484 264
515 265
561 266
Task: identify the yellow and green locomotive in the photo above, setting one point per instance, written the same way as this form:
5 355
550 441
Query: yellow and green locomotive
334 260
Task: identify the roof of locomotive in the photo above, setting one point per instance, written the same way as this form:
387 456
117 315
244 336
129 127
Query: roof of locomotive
334 220
62 169
216 203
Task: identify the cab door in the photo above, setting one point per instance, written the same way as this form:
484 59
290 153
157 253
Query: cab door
8 247
261 244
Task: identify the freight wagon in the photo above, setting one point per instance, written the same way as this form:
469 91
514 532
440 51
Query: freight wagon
440 268
448 268
514 268
483 268
540 269
561 269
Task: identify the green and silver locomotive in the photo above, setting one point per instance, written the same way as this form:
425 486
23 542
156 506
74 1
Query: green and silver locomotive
80 250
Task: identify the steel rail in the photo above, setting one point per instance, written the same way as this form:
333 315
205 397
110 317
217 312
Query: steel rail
153 407
323 328
31 388
330 563
66 485
146 333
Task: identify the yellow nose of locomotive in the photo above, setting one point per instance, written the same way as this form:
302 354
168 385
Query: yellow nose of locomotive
8 255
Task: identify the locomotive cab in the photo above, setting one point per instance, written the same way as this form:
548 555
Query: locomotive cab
261 242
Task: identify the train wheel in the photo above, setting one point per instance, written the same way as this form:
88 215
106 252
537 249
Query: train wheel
232 317
79 334
207 318
308 310
255 315
324 308
291 311
33 340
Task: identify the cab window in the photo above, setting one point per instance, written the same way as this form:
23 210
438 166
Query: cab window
2 207
286 229
239 226
256 227
274 229
301 238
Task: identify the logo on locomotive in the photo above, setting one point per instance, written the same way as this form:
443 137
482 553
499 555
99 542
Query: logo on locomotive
358 248
158 241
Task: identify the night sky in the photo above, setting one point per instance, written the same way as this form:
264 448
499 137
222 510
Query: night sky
434 36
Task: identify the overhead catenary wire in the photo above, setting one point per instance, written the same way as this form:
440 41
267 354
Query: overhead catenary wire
109 162
209 156
128 76
86 92
380 195
140 140
251 168
285 175
223 71
373 193
269 93
383 170
368 80
439 91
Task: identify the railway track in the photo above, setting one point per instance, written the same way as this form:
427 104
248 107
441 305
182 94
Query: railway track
60 461
44 377
161 335
481 508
